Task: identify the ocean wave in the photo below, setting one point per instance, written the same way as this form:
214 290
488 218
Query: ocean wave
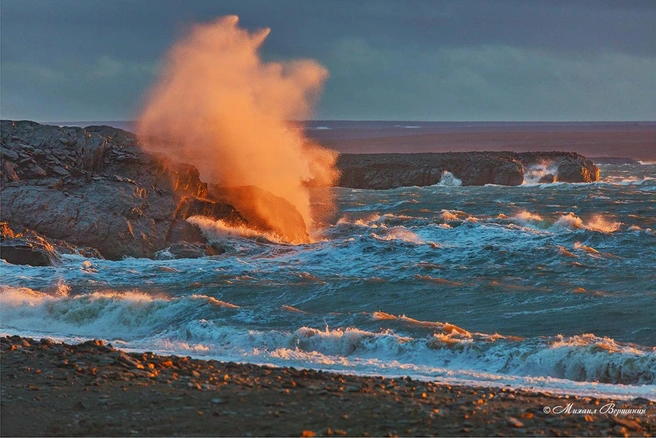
218 231
448 180
105 314
541 173
134 318
398 234
584 358
597 223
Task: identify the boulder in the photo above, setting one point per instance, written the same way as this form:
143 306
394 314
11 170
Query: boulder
577 172
26 248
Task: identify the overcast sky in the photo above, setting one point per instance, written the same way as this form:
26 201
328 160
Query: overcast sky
71 60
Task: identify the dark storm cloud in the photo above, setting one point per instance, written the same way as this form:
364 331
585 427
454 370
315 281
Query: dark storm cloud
448 60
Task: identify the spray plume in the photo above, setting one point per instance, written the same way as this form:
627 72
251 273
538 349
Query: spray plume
224 110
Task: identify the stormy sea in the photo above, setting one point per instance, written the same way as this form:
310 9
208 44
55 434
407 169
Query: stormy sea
538 286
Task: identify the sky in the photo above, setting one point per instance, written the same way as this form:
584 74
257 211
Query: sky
469 60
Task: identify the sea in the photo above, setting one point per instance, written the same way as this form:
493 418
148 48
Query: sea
545 287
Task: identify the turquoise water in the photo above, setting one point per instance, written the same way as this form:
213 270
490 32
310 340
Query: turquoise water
536 286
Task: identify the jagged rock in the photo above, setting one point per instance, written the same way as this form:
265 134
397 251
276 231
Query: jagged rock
94 187
26 248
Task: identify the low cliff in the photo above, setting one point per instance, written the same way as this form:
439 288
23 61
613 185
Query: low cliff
386 171
95 187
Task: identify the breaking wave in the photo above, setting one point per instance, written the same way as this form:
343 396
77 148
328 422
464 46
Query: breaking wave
218 231
541 173
596 223
182 323
449 180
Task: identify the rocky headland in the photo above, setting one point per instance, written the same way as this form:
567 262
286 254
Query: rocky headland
95 192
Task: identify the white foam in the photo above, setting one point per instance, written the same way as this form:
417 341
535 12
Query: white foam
597 223
107 315
533 174
449 180
218 231
140 320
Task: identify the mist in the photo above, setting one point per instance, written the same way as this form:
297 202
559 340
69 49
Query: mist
219 106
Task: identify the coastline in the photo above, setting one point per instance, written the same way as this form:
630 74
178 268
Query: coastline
93 389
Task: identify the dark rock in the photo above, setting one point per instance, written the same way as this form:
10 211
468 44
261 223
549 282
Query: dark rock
614 160
60 171
385 171
8 154
575 171
26 249
113 196
547 179
571 167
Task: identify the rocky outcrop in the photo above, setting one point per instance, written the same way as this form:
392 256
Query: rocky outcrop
95 187
614 160
26 248
386 171
569 166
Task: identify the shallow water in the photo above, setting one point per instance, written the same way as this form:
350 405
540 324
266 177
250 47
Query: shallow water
547 286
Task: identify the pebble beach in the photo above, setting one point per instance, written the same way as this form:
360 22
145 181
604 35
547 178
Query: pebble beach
93 389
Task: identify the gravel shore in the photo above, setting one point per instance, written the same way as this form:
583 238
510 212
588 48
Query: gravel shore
93 389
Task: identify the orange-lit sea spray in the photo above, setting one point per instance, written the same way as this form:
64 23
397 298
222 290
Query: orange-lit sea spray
221 108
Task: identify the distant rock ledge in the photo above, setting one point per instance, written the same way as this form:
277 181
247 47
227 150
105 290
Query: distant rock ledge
387 171
94 192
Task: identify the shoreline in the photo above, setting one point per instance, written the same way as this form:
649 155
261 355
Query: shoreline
93 389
